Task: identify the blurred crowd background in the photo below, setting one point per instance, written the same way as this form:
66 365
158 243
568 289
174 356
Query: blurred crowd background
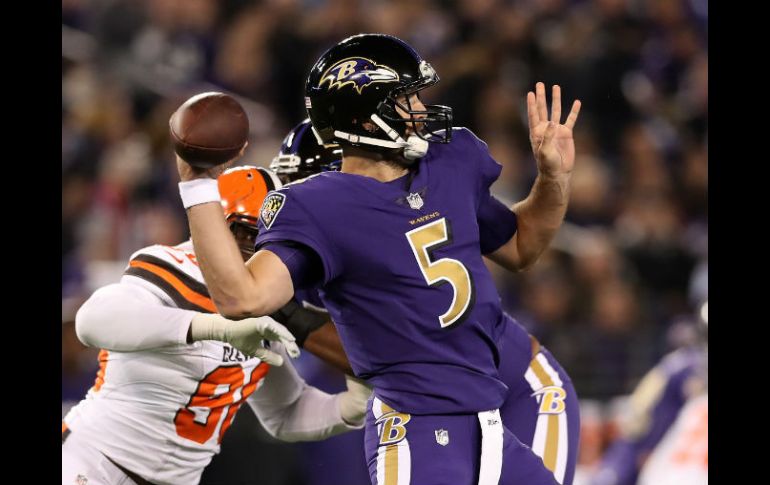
626 274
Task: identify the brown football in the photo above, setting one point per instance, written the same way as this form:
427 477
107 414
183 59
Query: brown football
209 129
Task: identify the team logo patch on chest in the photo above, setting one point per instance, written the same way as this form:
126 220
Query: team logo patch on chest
271 207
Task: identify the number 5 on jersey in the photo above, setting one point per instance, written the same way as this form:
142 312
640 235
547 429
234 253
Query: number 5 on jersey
428 238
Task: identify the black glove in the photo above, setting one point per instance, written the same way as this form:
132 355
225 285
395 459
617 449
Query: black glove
300 321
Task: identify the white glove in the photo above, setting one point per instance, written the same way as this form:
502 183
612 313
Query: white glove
352 402
245 335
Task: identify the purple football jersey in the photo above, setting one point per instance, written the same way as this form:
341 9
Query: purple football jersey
667 387
403 277
309 298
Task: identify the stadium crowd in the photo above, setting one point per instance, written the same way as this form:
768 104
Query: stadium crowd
626 274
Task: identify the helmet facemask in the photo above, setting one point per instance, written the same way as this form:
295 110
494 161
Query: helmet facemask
433 124
303 155
393 117
245 231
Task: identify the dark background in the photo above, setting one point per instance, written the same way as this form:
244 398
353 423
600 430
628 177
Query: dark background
626 274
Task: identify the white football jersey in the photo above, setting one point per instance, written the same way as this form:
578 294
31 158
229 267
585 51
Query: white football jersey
162 413
681 458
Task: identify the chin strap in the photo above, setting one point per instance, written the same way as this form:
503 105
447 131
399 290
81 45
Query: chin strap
414 147
417 147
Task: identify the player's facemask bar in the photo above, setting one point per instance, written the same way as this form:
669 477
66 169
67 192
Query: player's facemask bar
289 164
434 123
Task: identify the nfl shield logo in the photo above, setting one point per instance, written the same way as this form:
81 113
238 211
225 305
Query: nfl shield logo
415 201
442 437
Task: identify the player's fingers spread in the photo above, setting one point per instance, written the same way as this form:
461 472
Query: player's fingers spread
269 357
534 119
542 108
556 104
573 114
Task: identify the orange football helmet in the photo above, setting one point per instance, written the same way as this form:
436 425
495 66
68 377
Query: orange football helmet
242 190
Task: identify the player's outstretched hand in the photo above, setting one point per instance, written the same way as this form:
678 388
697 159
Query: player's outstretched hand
245 335
552 141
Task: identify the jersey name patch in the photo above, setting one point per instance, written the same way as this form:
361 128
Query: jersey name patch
271 207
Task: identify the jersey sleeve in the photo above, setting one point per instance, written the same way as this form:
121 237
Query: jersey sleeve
497 222
171 274
128 317
310 299
284 217
472 155
152 305
304 265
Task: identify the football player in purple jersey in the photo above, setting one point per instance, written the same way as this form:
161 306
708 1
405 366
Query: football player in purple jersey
532 410
395 242
655 404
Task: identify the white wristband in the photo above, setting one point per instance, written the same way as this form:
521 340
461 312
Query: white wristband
198 191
